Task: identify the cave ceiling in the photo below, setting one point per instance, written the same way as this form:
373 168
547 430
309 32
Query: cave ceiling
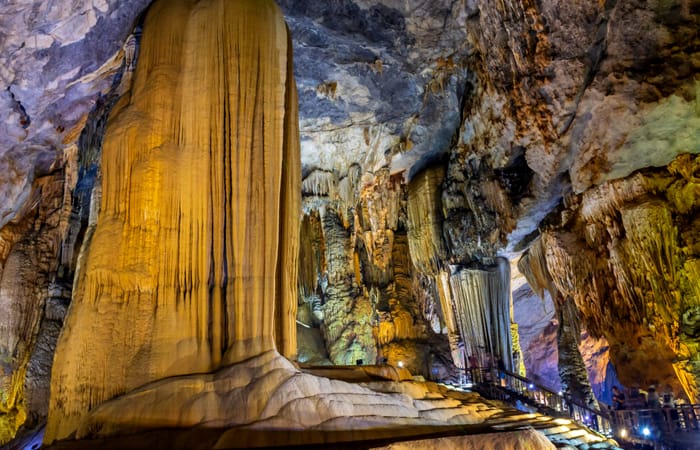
587 91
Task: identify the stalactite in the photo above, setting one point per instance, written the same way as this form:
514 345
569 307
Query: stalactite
533 265
348 186
626 252
482 304
312 257
402 319
321 183
185 270
652 260
607 199
449 315
425 221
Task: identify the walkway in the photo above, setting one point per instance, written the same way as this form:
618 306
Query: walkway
669 428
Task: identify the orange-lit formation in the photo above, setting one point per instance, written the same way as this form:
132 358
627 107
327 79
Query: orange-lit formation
456 218
191 262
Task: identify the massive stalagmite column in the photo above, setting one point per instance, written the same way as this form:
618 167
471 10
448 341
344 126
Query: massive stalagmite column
192 263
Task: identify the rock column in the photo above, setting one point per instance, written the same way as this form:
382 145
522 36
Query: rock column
192 263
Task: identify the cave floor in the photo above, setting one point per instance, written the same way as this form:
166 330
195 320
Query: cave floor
561 432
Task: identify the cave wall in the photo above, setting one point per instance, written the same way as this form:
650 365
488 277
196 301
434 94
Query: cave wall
625 252
357 281
516 103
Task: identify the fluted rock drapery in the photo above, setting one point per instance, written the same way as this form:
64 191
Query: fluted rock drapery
482 309
192 263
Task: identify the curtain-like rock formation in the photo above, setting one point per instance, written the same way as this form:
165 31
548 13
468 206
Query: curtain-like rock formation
192 262
482 310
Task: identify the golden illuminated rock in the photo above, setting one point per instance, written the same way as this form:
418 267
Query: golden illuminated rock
425 220
192 262
626 254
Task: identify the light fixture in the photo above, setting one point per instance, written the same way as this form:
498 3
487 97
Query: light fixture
646 431
400 363
623 432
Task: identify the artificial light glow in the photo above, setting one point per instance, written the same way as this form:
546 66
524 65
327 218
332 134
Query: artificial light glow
623 432
400 364
532 386
645 431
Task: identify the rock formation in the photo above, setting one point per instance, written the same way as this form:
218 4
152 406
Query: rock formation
637 279
436 139
192 260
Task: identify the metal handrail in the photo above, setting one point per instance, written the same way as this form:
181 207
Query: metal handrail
633 425
656 423
540 396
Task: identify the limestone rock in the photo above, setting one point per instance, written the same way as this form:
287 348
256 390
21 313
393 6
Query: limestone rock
193 258
55 61
515 440
537 326
625 253
268 393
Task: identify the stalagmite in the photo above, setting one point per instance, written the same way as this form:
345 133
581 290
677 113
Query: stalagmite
572 369
192 264
536 268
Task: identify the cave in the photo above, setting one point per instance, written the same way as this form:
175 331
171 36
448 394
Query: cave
349 224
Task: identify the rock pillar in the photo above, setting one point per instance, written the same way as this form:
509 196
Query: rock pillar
192 262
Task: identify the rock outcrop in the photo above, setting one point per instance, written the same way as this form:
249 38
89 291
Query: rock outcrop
625 253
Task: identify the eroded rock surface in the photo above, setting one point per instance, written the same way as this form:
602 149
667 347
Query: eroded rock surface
510 106
626 253
192 261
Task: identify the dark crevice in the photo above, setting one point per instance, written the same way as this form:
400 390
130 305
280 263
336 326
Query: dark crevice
24 119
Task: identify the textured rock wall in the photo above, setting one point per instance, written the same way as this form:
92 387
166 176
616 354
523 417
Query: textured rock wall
55 61
586 91
184 270
33 298
53 71
356 273
537 326
525 100
626 254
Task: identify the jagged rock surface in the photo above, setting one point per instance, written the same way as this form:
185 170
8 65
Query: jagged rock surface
626 254
55 61
525 101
